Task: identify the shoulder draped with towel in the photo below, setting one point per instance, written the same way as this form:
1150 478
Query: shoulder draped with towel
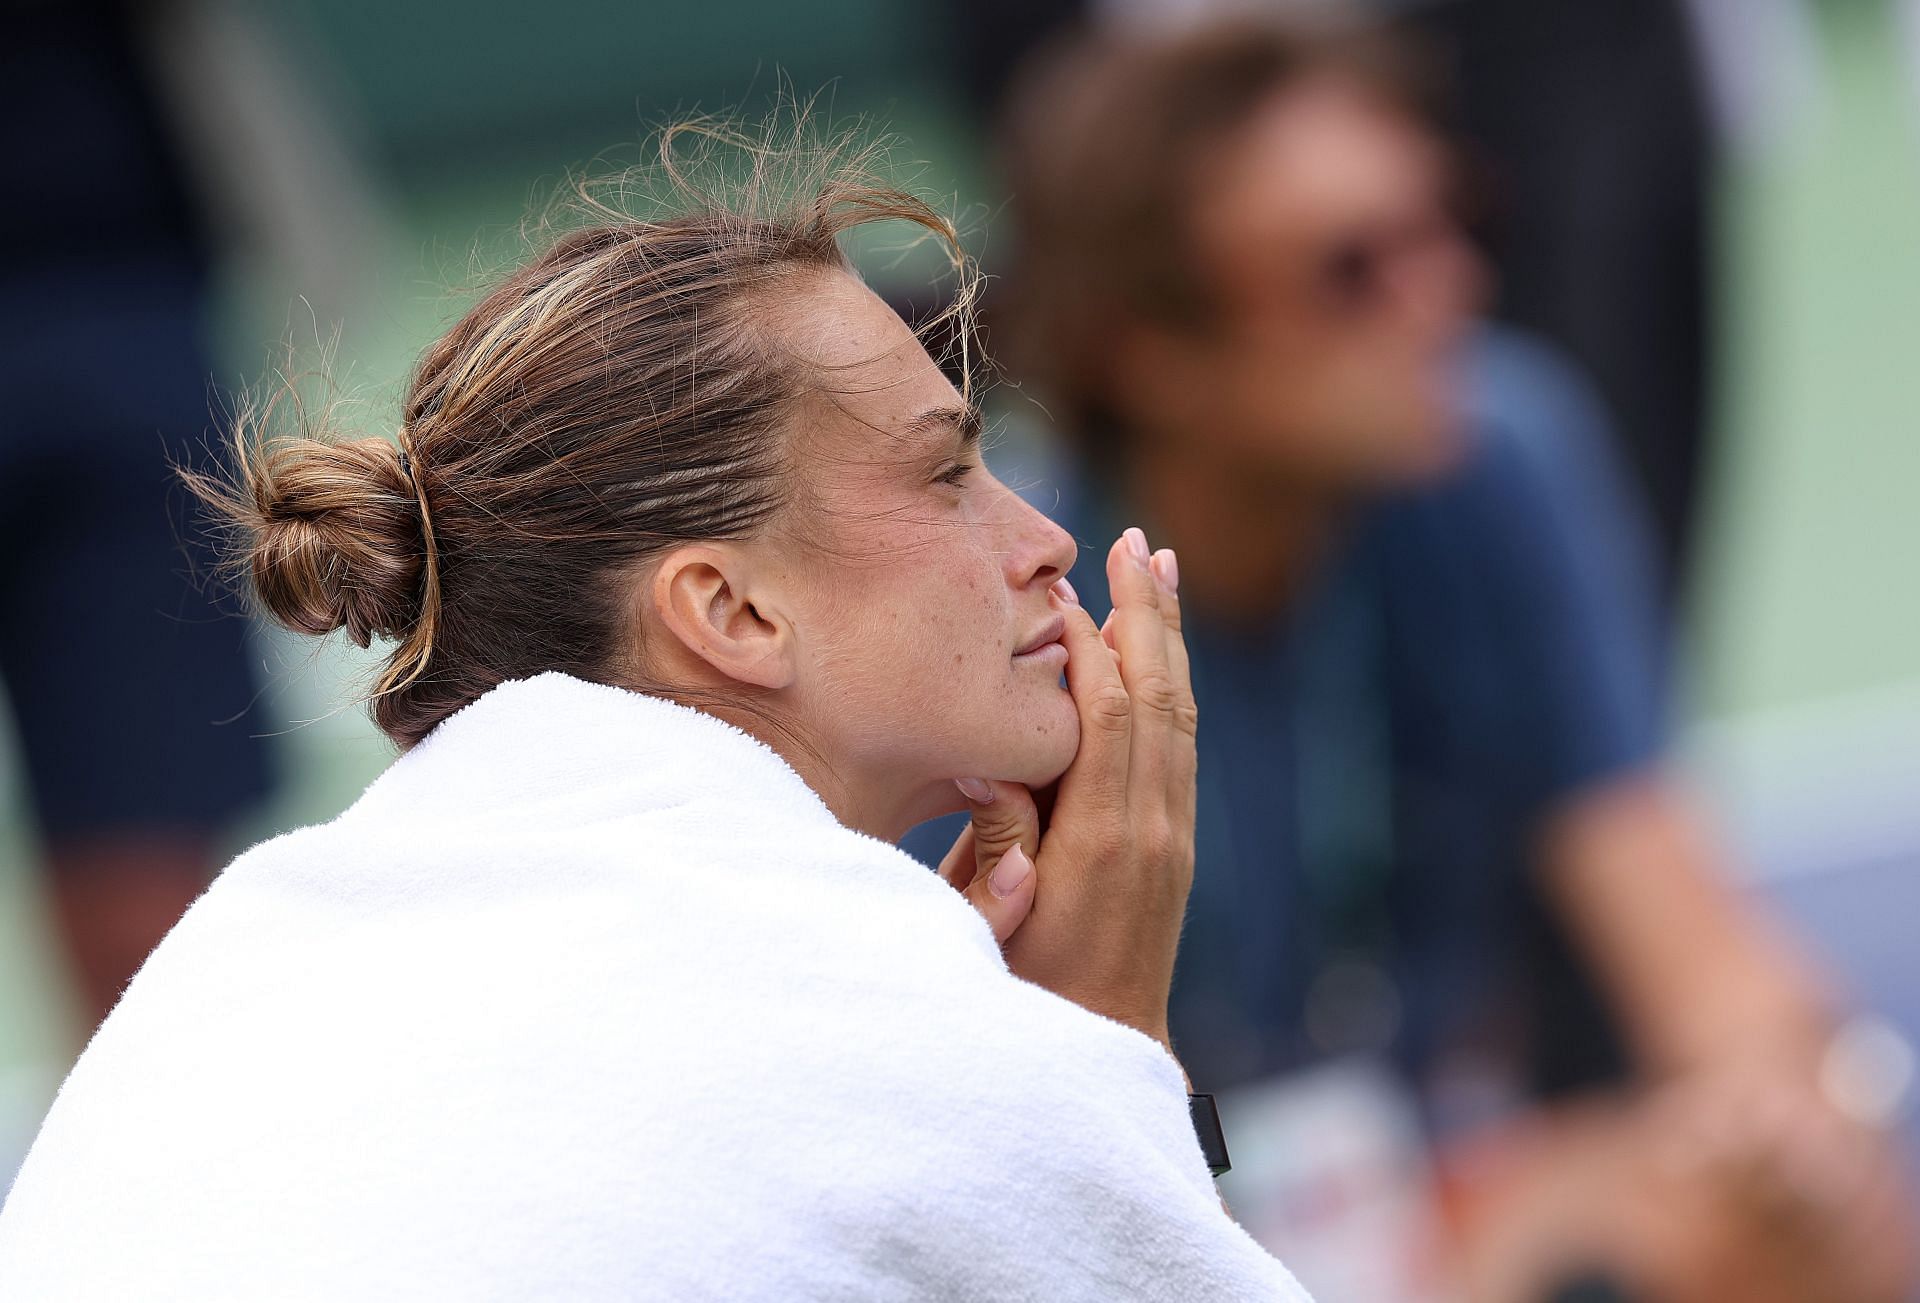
590 997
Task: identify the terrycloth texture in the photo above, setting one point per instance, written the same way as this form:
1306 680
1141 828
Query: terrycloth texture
590 997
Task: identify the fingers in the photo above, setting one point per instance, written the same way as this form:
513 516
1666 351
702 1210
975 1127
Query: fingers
1004 894
1140 636
991 862
1099 770
1183 757
1166 569
1004 816
1139 631
958 865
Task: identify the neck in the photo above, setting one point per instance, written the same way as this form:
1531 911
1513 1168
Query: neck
1248 539
851 802
668 669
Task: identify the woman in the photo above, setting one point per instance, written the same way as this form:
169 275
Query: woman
612 985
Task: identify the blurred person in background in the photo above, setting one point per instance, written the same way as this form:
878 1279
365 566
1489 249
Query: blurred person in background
1587 131
1435 820
129 689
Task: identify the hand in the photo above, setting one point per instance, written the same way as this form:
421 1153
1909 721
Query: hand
991 862
1116 861
1810 1203
1727 1183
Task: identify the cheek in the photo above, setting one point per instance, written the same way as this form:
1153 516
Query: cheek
1316 389
932 619
963 608
925 680
1271 373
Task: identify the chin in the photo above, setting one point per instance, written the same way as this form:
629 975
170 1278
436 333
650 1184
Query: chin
1046 745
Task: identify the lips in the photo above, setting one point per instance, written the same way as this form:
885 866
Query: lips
1050 632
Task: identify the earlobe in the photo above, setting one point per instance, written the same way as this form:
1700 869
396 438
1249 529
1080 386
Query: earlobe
701 596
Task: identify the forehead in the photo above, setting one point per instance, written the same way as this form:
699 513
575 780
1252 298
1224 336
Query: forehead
869 376
1317 159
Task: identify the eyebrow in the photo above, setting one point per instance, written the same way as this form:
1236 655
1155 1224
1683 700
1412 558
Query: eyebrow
966 421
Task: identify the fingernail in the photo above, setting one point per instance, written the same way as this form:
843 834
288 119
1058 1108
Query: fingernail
1010 872
1137 543
1065 589
1167 569
977 790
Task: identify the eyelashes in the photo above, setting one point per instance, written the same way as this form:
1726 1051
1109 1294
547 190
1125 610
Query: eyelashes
955 474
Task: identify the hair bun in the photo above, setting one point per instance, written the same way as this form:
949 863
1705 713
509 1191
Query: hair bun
339 540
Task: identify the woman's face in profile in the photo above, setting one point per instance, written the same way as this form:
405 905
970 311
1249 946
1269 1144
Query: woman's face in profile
928 639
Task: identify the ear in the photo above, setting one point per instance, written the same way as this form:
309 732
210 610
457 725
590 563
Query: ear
703 595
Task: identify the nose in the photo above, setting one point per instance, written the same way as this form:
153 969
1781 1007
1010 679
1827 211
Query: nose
1038 551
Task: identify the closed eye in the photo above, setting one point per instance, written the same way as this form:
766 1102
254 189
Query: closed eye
955 474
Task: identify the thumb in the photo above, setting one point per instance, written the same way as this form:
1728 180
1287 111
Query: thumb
992 862
1004 816
1004 894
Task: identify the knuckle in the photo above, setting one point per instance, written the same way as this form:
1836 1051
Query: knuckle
1186 716
1110 705
1157 841
1154 690
1106 846
994 824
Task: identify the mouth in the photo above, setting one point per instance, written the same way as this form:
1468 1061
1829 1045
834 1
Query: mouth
1048 635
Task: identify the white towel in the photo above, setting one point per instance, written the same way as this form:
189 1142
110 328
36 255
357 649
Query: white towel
590 997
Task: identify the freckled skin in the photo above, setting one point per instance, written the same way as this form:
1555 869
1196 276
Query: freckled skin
914 592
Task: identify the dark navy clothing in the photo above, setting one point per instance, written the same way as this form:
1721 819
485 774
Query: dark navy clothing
128 685
1374 763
